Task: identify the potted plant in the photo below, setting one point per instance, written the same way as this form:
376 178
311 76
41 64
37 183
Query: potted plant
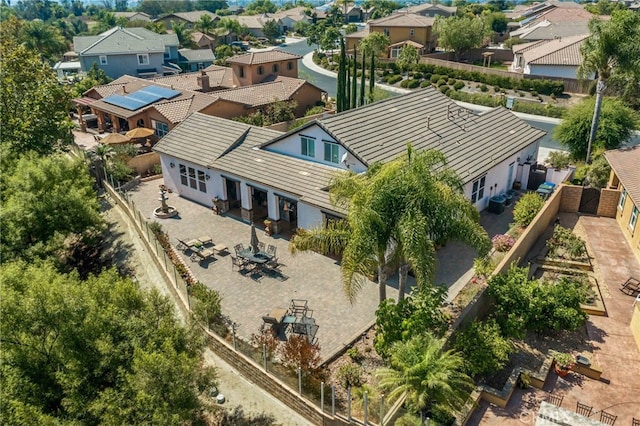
267 226
564 362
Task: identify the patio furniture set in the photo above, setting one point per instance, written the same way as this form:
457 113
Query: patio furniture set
201 248
255 258
551 413
297 319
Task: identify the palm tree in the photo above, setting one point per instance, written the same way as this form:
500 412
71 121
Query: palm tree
205 24
157 27
44 38
228 26
612 48
183 34
430 376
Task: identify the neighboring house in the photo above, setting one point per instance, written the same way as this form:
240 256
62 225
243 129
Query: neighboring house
560 57
235 9
218 78
430 9
260 174
203 40
133 16
568 13
625 177
401 29
195 59
354 14
287 19
256 67
132 51
187 18
254 24
547 30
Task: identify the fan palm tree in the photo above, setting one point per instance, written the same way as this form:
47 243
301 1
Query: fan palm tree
183 34
430 376
44 38
612 48
205 24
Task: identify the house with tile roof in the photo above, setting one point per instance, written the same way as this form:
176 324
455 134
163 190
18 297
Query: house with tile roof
187 18
133 16
255 67
559 57
625 179
547 30
195 59
430 9
259 174
133 51
402 29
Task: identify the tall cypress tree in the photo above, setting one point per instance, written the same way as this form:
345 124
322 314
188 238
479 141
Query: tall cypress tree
372 76
347 94
341 78
364 65
354 82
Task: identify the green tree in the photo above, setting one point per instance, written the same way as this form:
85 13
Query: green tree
95 77
205 24
271 30
460 33
374 45
45 199
484 349
341 92
407 58
613 47
497 21
211 5
44 38
354 81
527 208
302 27
616 123
598 172
231 26
223 52
183 34
97 351
157 27
258 7
329 38
431 377
33 106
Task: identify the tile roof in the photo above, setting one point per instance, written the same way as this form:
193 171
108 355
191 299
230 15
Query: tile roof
196 55
263 57
472 143
129 15
359 34
233 148
251 21
624 162
219 78
427 6
280 89
560 51
120 40
546 30
192 16
403 20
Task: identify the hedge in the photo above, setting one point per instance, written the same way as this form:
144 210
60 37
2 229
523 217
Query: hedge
546 87
393 79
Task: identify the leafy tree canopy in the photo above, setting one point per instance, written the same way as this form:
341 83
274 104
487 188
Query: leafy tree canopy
97 351
257 7
33 106
617 122
271 30
408 58
460 33
45 199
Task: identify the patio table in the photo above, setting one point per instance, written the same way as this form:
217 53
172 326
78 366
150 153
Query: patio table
259 258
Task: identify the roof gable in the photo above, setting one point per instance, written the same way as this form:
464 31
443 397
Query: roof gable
263 57
561 51
624 162
403 20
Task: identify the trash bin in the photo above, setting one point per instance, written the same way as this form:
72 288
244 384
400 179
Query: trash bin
509 199
497 203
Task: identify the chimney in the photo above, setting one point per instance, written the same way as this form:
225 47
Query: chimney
203 82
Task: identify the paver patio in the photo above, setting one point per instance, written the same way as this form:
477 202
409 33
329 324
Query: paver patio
614 349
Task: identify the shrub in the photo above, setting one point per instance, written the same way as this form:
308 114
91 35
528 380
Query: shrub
484 347
502 242
559 159
298 352
268 339
458 85
418 75
156 169
412 84
527 208
425 83
483 88
434 78
451 81
534 93
565 243
206 307
483 266
441 82
393 79
354 354
496 89
444 89
349 375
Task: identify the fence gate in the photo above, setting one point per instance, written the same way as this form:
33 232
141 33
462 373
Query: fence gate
589 201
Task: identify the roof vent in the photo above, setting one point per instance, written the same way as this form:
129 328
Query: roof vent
259 160
303 173
512 131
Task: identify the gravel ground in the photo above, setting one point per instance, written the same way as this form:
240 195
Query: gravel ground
130 252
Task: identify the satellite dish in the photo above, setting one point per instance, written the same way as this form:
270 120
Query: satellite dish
345 157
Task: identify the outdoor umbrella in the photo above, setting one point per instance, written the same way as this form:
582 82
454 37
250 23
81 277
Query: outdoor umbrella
254 239
114 139
140 132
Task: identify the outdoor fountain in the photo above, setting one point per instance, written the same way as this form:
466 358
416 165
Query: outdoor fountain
164 211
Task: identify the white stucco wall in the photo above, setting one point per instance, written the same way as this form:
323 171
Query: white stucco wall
291 146
552 70
171 177
309 216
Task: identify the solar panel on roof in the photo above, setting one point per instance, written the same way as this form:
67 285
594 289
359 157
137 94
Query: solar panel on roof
125 102
161 91
145 97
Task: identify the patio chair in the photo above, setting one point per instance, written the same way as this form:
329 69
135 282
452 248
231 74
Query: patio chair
238 247
204 254
260 246
237 262
272 263
271 250
607 418
182 246
555 399
631 286
298 307
635 422
583 409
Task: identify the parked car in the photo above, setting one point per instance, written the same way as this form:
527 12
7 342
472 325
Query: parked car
263 40
240 44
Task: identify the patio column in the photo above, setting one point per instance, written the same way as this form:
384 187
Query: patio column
247 203
116 123
101 123
83 125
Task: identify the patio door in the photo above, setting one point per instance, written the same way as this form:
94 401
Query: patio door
288 211
510 178
233 193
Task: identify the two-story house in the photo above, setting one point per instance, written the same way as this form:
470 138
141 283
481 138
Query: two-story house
133 51
187 18
255 67
402 29
258 174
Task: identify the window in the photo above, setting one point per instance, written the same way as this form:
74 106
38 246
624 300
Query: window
241 72
103 60
307 146
477 193
275 68
167 53
200 65
260 70
412 32
623 198
160 128
386 32
143 59
395 51
289 66
193 178
331 152
634 218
